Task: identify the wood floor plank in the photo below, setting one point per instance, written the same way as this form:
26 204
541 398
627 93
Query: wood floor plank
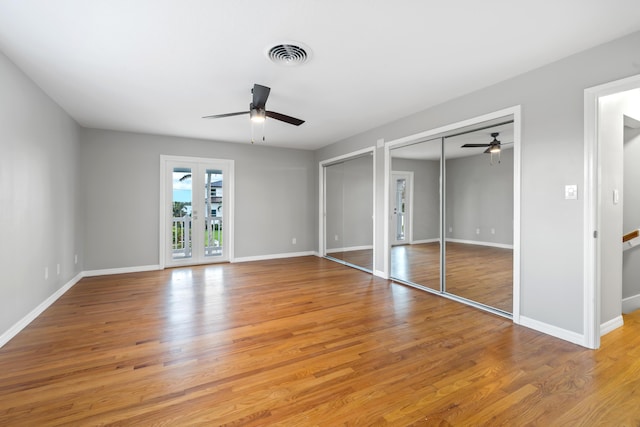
302 341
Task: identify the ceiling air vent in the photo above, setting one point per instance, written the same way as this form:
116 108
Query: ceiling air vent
288 54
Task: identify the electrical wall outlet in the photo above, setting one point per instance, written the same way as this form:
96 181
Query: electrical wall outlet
477 231
46 273
293 241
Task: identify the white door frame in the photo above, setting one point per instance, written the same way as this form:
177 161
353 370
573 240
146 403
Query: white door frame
591 253
408 238
228 205
433 133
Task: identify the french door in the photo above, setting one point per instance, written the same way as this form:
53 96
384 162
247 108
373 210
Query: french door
196 209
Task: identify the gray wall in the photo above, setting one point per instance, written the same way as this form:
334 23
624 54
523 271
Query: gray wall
631 221
479 196
426 196
552 100
274 196
40 214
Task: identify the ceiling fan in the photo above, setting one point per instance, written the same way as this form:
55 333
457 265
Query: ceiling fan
492 147
257 109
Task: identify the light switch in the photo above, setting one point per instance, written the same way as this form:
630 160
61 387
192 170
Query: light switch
571 192
616 197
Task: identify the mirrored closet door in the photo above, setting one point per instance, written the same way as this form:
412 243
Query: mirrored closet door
461 204
479 217
348 216
415 213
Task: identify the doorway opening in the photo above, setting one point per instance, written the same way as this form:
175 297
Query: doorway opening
606 107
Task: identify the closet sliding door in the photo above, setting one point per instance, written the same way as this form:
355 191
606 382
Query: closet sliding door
348 200
462 218
479 219
416 258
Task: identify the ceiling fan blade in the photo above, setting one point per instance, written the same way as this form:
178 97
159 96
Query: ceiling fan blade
284 118
217 116
260 95
487 151
474 145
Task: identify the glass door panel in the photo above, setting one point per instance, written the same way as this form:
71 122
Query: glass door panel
400 188
213 201
181 220
196 230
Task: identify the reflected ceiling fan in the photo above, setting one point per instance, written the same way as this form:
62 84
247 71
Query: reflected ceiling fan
258 111
493 147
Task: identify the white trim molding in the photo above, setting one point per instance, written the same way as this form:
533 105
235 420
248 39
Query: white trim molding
33 314
122 270
631 304
611 325
423 241
274 256
479 243
349 249
554 331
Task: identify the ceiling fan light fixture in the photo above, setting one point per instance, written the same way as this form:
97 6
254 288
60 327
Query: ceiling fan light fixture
494 148
257 115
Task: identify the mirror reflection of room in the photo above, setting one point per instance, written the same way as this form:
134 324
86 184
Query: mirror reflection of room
349 211
474 237
479 217
415 214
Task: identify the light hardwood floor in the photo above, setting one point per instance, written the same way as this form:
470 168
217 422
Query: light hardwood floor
482 274
301 342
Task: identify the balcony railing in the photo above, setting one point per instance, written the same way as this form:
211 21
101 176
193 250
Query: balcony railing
182 235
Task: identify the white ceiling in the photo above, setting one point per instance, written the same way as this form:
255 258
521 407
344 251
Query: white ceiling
157 66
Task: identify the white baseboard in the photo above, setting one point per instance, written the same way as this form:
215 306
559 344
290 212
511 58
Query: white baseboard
611 325
554 331
380 274
349 249
123 270
274 256
630 304
419 242
475 242
24 322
